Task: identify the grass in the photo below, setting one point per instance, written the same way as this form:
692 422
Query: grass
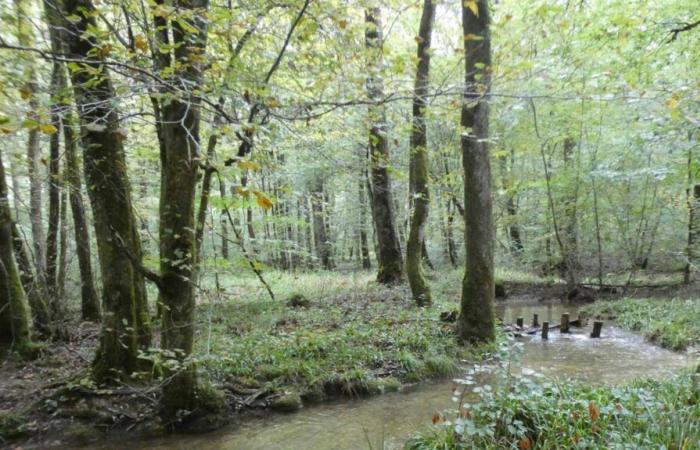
355 337
535 414
674 324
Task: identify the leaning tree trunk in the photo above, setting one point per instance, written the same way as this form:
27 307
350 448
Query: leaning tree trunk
180 132
420 197
389 257
119 250
14 311
476 319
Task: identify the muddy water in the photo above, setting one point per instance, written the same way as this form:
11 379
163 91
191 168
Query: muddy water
617 357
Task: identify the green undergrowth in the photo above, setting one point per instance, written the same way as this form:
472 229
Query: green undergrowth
353 337
536 414
674 324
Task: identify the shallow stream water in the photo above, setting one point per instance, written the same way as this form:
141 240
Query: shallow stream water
617 357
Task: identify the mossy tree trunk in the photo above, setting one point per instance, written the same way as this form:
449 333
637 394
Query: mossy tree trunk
125 326
418 165
181 142
389 257
14 310
41 318
476 319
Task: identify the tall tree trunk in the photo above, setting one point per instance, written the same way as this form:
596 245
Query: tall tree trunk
119 250
180 131
25 38
54 196
89 299
204 195
223 220
512 227
323 247
476 319
14 310
389 257
63 246
364 242
570 217
419 193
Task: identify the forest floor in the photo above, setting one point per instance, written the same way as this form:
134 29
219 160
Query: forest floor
326 335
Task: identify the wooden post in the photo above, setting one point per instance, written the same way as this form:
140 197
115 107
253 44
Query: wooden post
545 330
520 322
597 328
564 328
535 320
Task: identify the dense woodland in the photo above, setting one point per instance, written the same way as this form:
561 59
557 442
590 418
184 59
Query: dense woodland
163 158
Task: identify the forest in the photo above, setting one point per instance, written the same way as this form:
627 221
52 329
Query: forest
350 224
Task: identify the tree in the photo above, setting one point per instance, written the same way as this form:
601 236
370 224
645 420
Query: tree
179 130
476 319
418 169
389 257
14 311
125 324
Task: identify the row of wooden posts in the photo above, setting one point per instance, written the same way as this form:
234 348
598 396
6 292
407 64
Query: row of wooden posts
564 325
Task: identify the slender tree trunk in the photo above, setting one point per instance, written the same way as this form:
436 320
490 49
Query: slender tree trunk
223 220
476 319
512 227
89 299
389 257
63 246
692 201
418 165
570 216
204 195
14 310
54 198
364 242
180 130
124 326
323 247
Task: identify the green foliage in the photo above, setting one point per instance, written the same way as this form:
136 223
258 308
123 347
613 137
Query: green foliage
673 324
552 415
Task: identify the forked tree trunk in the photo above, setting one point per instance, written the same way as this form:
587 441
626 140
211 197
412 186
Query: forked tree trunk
123 294
476 319
389 257
418 165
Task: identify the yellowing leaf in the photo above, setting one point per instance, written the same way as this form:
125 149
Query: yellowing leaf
243 192
25 93
473 6
47 128
262 200
141 43
249 165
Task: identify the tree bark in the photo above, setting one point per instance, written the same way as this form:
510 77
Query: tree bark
41 318
223 219
123 293
364 242
418 165
180 132
323 247
89 299
389 257
14 310
476 319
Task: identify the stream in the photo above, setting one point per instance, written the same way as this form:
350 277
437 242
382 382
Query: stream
617 357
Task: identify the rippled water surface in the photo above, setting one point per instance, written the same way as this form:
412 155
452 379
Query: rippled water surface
360 424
